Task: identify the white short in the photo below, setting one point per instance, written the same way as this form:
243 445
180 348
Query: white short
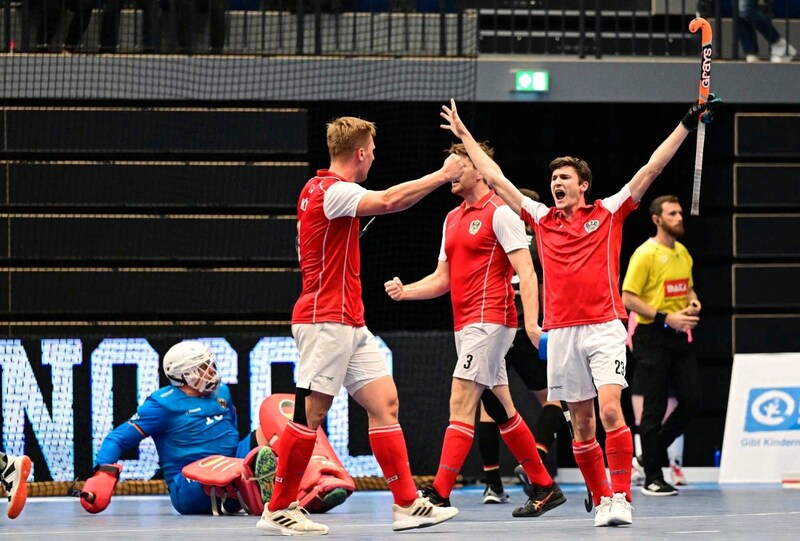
333 354
481 350
582 358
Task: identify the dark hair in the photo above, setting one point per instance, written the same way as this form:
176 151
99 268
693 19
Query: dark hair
580 166
657 204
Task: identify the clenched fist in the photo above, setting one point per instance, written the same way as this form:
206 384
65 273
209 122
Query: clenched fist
394 288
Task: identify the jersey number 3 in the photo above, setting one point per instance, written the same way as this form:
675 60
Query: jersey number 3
468 363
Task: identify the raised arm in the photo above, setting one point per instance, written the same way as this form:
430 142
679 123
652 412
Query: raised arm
643 178
434 285
484 164
406 194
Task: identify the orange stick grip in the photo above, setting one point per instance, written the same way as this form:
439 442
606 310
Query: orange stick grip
705 55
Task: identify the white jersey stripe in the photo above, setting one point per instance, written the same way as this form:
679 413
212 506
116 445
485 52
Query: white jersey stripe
486 280
322 273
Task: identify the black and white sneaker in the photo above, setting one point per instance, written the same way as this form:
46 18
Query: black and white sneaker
420 514
495 495
290 521
429 492
658 487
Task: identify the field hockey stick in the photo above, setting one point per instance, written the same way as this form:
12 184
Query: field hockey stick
705 87
588 502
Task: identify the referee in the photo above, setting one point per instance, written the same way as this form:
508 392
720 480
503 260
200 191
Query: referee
659 288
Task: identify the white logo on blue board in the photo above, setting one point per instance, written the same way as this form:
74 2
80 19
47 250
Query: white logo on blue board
773 409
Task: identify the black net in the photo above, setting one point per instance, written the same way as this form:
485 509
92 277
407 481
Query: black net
166 183
152 157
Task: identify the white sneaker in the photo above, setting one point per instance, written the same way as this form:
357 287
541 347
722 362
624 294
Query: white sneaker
492 496
613 511
602 513
751 58
779 53
637 473
420 514
290 521
15 482
621 510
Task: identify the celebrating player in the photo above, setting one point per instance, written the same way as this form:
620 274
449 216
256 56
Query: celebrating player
483 244
335 346
579 245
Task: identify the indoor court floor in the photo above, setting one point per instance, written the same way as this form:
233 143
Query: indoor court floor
701 511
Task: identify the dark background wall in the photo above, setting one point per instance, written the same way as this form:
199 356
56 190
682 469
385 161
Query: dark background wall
616 139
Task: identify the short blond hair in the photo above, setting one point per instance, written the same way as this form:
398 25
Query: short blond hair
348 133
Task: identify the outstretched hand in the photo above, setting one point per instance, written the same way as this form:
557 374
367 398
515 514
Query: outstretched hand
454 123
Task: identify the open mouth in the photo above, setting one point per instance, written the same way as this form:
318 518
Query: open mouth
559 194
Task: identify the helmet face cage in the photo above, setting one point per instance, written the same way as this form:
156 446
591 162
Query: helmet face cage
203 377
192 364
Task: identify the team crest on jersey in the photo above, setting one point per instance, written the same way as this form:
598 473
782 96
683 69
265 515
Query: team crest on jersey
223 403
591 225
474 227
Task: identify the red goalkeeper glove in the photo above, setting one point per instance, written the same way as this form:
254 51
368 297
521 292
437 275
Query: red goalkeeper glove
97 490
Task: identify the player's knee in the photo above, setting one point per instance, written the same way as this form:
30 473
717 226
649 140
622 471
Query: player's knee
611 415
392 406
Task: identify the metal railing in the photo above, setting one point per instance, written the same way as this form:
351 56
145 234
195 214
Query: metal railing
654 28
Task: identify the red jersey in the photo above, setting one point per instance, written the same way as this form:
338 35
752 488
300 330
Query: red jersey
580 260
475 241
330 257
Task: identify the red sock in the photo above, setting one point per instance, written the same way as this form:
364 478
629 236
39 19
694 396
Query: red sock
389 447
619 453
520 441
457 443
295 447
589 458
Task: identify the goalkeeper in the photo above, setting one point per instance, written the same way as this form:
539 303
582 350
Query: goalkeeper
193 423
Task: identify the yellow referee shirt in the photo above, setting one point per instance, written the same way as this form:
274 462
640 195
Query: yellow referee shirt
660 276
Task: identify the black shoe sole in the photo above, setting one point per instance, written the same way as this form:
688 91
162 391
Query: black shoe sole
529 512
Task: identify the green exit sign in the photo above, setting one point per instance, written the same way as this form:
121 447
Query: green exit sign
532 81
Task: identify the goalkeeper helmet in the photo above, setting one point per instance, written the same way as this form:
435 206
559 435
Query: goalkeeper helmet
190 363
